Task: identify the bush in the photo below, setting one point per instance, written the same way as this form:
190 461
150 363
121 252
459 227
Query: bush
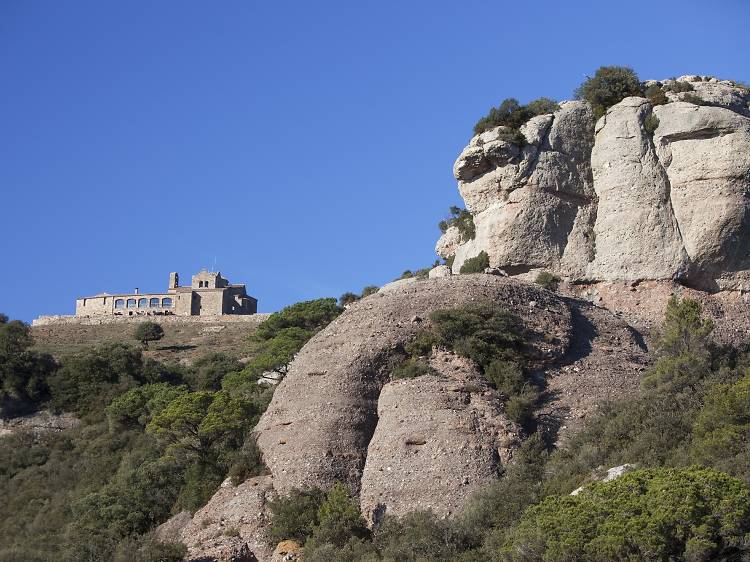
147 332
655 94
483 332
339 519
656 514
650 123
369 290
348 298
721 433
477 264
511 114
294 516
547 280
308 315
693 98
609 86
247 463
412 368
462 220
679 86
415 537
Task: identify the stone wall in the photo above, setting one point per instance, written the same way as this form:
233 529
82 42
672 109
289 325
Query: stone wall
252 319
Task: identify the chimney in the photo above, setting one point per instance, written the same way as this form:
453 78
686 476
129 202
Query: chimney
136 290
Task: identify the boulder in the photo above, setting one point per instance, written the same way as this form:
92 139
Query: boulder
439 271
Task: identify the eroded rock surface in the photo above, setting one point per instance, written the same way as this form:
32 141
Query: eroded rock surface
324 413
648 193
448 429
230 527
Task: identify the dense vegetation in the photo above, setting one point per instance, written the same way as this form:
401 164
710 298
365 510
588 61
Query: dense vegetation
154 439
688 432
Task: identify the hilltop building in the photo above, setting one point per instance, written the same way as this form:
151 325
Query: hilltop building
209 294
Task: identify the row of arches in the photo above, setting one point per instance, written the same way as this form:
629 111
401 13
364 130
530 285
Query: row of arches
153 302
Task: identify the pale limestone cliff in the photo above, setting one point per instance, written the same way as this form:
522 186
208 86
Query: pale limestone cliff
617 200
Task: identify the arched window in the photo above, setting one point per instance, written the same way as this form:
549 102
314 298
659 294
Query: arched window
120 303
166 302
153 302
131 303
142 303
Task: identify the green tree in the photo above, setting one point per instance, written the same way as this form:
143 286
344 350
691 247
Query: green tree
203 426
609 86
136 407
23 372
683 348
148 332
654 514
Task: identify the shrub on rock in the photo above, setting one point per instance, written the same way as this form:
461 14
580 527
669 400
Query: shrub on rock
477 264
609 86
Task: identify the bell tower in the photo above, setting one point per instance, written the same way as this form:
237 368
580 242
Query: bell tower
174 280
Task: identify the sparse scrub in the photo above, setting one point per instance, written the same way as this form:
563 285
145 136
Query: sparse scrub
512 114
547 280
692 98
463 220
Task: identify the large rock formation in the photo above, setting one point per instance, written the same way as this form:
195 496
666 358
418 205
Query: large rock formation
422 443
617 200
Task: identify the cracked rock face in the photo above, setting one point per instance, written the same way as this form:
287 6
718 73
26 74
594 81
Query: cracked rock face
617 200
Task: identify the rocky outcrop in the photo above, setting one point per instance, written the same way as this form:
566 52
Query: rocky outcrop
422 443
645 193
430 441
38 423
229 528
325 412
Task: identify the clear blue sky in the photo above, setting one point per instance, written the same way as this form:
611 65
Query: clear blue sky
306 147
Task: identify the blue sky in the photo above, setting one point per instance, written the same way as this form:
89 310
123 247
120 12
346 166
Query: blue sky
305 148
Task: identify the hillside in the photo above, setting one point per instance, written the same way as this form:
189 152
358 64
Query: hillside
183 341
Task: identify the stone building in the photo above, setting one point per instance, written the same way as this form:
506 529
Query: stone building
209 294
